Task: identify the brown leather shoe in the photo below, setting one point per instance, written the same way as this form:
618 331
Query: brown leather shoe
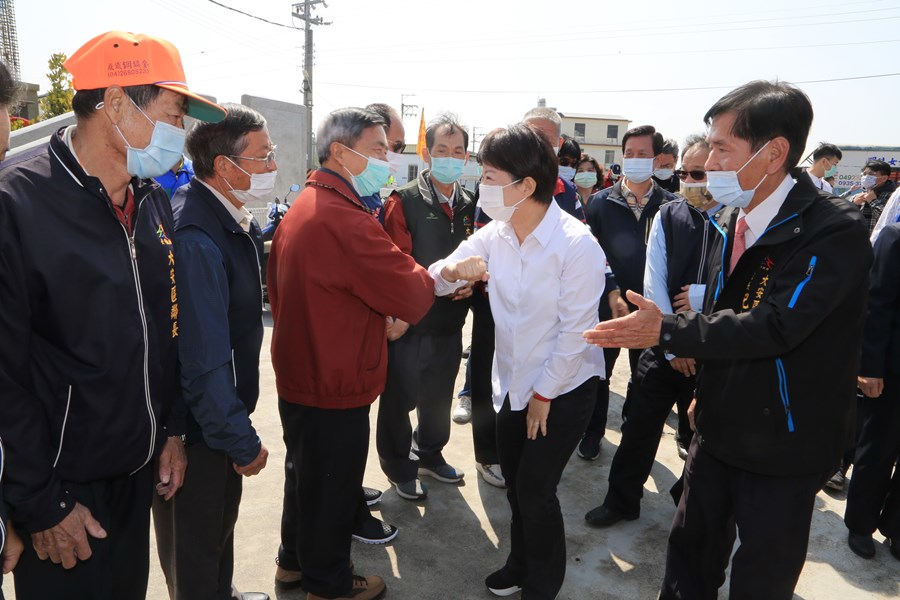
287 580
364 588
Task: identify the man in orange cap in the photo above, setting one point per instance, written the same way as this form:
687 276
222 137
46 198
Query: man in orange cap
89 327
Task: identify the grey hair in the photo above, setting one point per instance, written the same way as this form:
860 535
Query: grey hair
545 114
692 140
345 126
205 141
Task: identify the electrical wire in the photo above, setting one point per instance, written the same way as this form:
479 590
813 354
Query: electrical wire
253 16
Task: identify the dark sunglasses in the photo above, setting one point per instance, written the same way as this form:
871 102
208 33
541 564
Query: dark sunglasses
398 147
683 175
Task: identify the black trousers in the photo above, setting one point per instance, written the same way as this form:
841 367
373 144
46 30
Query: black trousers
421 374
328 451
532 469
873 500
597 424
290 523
195 529
657 387
120 563
772 514
481 360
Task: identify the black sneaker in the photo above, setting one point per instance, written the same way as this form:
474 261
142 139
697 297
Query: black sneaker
589 448
375 531
372 495
502 583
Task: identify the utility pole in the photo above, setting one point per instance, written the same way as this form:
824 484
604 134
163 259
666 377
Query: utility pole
476 137
408 110
304 11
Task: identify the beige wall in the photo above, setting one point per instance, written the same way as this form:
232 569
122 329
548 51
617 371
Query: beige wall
595 141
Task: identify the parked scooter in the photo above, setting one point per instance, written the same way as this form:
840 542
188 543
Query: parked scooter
277 211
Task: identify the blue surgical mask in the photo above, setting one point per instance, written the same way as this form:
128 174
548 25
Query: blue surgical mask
637 170
868 181
160 155
566 173
373 177
447 169
585 179
831 172
664 174
726 189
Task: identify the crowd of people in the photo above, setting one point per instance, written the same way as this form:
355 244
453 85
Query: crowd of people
750 299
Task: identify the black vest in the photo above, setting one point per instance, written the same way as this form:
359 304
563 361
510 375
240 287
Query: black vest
689 236
435 236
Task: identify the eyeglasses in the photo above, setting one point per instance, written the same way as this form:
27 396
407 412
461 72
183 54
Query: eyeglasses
683 175
269 159
399 146
565 161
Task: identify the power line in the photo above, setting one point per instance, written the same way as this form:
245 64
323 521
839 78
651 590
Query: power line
253 16
630 91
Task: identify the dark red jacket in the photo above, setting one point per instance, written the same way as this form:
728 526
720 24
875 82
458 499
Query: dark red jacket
334 274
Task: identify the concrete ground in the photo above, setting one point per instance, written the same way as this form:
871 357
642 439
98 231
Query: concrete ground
451 541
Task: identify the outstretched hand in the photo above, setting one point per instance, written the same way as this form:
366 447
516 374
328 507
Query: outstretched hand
640 329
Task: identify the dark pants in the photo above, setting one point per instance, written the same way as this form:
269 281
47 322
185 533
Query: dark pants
195 529
481 360
873 500
532 469
421 374
597 424
772 515
290 524
328 451
657 387
120 563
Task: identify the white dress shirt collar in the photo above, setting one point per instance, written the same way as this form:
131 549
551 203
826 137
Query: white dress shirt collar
241 215
544 230
759 219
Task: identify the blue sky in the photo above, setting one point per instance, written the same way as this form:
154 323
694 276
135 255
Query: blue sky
490 60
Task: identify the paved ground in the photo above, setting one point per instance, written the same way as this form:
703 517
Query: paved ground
449 542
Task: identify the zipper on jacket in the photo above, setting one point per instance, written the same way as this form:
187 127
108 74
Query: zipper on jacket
62 434
809 273
720 279
783 390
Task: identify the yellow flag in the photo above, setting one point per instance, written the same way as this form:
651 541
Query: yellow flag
420 144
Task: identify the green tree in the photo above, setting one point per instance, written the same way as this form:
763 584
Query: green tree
58 100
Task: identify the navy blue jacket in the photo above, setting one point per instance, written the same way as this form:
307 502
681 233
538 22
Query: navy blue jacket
881 338
220 310
777 338
623 236
88 332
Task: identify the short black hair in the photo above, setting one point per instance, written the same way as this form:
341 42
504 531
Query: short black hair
386 112
570 148
449 123
522 151
764 110
826 150
85 102
345 126
9 87
205 141
645 130
878 166
670 146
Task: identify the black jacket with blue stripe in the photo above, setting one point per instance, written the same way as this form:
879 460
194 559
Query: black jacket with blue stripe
778 340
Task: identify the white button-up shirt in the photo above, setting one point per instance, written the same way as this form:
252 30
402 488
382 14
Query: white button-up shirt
544 294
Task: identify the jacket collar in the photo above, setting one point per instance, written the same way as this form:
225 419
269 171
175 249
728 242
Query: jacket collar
202 193
328 179
656 195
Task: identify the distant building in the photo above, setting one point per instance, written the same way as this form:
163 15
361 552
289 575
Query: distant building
599 135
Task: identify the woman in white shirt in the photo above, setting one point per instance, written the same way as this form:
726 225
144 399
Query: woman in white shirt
545 287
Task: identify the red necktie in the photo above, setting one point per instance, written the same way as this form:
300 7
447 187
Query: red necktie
740 244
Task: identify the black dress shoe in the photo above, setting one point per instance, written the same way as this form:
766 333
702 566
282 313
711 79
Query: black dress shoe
895 547
605 517
861 544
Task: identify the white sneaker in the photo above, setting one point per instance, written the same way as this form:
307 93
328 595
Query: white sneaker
491 474
462 414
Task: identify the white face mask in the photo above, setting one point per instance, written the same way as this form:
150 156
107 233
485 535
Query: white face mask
726 188
490 199
261 186
637 170
395 161
566 173
664 174
868 181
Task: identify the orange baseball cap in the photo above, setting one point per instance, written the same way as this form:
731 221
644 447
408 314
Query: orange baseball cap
126 59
